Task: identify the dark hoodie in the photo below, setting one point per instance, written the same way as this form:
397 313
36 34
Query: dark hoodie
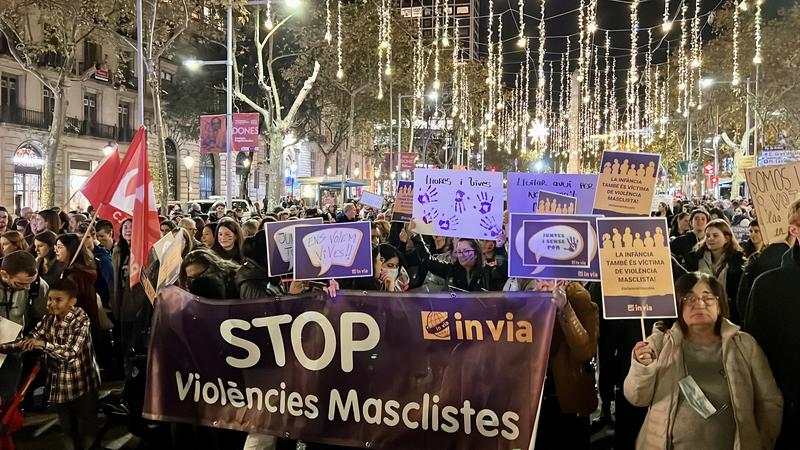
758 263
772 319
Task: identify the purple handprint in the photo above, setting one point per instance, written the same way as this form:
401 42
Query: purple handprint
449 223
489 224
430 216
428 196
458 205
485 203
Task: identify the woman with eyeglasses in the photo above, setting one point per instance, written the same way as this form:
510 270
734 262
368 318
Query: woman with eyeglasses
720 256
707 384
466 272
205 273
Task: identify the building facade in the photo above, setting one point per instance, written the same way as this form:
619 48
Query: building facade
463 13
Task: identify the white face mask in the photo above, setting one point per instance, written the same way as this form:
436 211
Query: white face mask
393 273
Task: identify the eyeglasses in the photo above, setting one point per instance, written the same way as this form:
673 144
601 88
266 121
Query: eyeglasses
465 253
693 300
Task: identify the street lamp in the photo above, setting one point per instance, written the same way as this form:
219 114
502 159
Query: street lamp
188 162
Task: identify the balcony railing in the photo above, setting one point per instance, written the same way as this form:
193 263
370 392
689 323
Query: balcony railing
73 125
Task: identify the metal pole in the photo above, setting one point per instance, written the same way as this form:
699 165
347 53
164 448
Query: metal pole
747 121
399 134
391 133
140 67
755 123
229 114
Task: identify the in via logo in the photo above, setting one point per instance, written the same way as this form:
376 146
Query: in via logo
439 326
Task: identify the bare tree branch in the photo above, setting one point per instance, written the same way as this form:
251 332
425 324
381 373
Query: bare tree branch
301 96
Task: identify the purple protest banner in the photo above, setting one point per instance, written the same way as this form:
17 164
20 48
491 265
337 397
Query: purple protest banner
280 245
523 190
417 371
636 268
552 203
337 250
626 183
553 246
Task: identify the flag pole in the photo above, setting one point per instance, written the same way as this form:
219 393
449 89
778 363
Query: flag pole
85 234
140 65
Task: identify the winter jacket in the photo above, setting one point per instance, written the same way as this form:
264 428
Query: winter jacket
456 276
772 317
683 245
758 263
755 398
735 264
253 282
24 306
105 274
128 304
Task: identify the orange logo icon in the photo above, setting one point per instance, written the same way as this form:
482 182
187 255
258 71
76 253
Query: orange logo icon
435 325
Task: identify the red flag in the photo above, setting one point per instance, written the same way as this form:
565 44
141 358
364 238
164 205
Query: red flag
132 194
96 188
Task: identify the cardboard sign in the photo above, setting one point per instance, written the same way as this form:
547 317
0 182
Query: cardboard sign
626 183
553 247
9 330
636 268
773 189
552 203
245 135
371 200
523 190
170 261
460 203
280 245
348 368
338 250
403 209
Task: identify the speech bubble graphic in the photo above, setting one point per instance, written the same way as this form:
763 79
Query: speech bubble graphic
284 242
334 246
557 242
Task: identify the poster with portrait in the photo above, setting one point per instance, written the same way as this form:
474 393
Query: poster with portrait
626 183
636 268
460 203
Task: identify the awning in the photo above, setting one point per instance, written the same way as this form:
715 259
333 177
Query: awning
338 184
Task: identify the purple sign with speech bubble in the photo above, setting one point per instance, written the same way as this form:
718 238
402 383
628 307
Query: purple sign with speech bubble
523 190
280 245
553 246
339 250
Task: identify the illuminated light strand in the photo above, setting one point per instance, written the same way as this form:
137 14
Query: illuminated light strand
757 57
683 84
666 24
339 71
540 82
736 26
445 34
455 81
633 74
606 85
328 35
648 76
581 30
499 69
521 41
268 23
488 114
437 19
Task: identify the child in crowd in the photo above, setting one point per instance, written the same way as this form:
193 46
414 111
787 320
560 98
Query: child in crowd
73 376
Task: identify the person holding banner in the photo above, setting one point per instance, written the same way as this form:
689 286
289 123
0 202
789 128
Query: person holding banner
720 256
389 273
467 271
205 273
707 384
253 279
570 395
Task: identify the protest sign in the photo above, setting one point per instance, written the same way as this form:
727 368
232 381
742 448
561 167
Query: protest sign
773 189
347 372
659 198
338 250
280 245
170 261
626 183
9 330
552 203
523 190
636 268
213 134
371 200
403 208
460 203
553 246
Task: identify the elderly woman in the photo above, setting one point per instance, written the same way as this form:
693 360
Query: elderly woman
707 384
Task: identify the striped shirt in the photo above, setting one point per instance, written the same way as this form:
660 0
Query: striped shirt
72 370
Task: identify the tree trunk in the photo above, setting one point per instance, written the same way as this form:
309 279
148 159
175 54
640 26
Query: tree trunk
276 136
163 173
57 122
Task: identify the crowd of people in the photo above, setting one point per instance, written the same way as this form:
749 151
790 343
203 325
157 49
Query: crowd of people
723 375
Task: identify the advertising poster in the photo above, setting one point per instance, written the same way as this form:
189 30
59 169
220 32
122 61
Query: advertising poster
636 268
626 183
347 372
523 190
245 133
403 209
460 203
773 189
553 246
552 203
280 245
337 250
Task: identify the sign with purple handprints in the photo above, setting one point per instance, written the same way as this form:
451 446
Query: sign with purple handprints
553 246
459 203
556 245
524 189
338 250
